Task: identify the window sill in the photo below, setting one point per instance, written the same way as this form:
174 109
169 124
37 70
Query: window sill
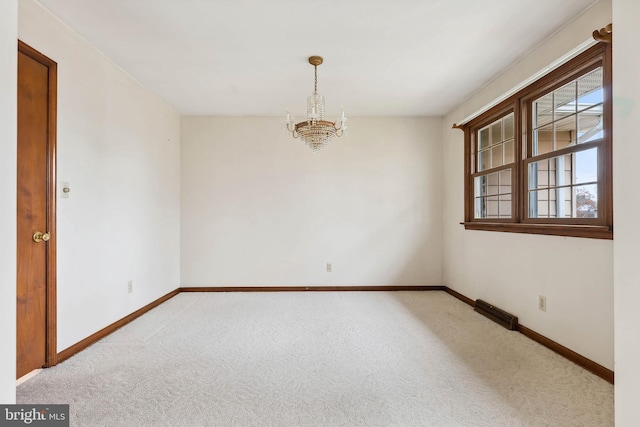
585 231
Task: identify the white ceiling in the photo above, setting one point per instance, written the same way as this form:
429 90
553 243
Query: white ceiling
249 57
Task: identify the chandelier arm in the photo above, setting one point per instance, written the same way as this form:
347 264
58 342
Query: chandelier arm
289 127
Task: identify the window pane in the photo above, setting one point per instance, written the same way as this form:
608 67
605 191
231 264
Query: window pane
484 160
487 207
496 156
505 206
590 125
564 170
478 207
564 202
534 176
543 140
505 181
586 201
496 132
508 152
543 111
539 204
492 184
565 132
586 168
480 186
483 138
590 91
492 206
508 126
564 101
542 174
553 202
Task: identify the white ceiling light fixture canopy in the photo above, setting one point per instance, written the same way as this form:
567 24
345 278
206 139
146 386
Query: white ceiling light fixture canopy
316 132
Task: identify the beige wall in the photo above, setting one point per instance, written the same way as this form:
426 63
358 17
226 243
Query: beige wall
259 208
512 270
119 148
8 111
626 152
111 154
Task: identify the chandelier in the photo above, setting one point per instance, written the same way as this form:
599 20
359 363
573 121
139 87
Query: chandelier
316 132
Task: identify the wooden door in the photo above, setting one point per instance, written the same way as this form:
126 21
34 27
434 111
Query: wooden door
35 314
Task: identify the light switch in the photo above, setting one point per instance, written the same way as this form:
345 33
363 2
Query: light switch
64 190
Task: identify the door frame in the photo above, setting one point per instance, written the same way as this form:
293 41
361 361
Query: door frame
51 257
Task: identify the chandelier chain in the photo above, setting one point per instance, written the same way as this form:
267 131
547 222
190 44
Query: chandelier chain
315 82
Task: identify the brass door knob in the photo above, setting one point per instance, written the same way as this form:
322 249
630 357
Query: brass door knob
41 237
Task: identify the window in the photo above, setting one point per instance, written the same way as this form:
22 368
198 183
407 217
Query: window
540 161
494 165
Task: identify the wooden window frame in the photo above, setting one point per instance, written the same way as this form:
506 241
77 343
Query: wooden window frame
520 104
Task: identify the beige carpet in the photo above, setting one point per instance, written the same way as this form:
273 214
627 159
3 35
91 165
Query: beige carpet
320 359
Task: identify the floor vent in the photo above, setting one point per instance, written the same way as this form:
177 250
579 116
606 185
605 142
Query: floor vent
501 317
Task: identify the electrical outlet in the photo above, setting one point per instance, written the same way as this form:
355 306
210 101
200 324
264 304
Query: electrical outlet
542 303
328 267
130 286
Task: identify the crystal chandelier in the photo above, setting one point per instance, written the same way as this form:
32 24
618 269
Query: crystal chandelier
316 132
